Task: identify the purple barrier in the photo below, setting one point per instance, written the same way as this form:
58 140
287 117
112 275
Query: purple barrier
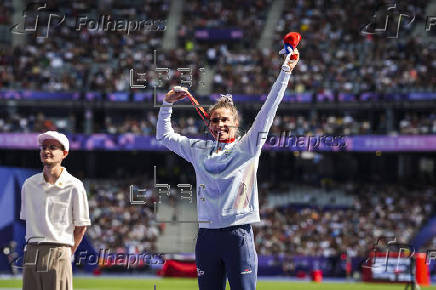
18 140
278 143
37 95
391 143
147 95
218 34
422 96
278 265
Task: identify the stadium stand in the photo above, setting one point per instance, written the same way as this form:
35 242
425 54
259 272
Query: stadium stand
346 84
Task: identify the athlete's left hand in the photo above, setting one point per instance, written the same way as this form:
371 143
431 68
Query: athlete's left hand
175 94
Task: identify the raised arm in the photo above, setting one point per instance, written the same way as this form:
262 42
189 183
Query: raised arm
177 143
253 141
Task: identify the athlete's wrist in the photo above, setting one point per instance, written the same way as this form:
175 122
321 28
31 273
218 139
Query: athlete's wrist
286 68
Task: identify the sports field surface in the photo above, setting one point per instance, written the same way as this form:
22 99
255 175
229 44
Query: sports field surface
191 284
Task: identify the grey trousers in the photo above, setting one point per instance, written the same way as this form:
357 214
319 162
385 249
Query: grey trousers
47 267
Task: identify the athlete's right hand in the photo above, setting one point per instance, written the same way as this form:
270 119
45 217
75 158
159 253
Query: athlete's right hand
289 64
175 94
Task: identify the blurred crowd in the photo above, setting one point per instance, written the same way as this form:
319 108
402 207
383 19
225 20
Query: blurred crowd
116 224
344 125
335 54
389 211
34 123
5 12
409 123
89 59
247 15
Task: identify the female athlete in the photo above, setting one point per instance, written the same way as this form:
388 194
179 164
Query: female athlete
226 188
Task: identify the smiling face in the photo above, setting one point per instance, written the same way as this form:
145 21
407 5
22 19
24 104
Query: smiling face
223 124
52 152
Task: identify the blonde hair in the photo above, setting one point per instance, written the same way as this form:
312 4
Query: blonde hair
226 101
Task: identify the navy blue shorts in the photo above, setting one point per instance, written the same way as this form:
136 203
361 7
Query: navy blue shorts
226 253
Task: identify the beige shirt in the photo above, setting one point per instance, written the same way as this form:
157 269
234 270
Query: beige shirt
52 211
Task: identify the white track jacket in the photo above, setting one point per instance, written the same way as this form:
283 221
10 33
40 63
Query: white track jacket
225 172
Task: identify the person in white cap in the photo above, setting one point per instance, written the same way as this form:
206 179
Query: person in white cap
55 207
